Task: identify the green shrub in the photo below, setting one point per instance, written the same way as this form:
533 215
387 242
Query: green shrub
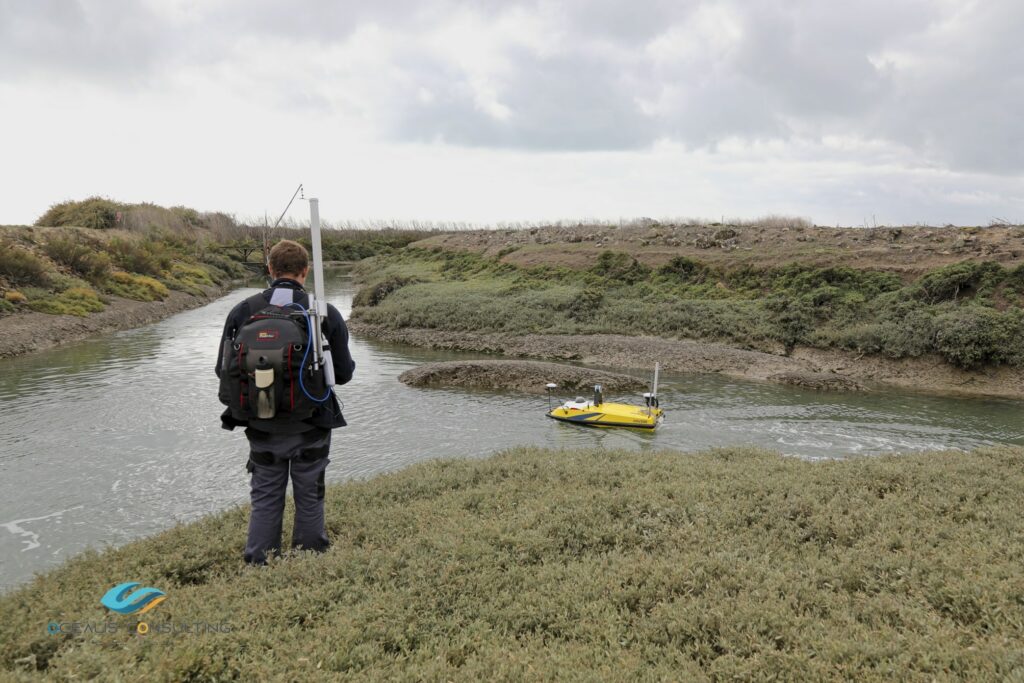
864 337
189 278
80 257
617 265
585 306
907 332
683 269
959 280
79 301
7 306
800 279
972 337
138 287
189 216
136 257
189 274
94 212
372 295
20 266
792 319
222 267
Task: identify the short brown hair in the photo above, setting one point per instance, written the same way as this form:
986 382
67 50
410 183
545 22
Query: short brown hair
288 258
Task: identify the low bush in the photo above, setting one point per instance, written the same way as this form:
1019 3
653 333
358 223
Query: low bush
585 306
138 287
221 267
792 318
683 269
20 266
79 301
187 215
615 265
959 280
189 278
972 337
94 212
80 257
137 257
373 294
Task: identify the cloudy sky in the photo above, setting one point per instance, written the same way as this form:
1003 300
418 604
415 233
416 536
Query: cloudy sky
894 111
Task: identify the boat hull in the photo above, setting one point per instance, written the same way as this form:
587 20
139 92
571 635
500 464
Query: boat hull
609 415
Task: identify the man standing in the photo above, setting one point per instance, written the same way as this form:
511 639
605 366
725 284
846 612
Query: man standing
268 394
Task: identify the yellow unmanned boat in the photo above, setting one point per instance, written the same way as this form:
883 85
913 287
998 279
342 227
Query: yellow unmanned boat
600 413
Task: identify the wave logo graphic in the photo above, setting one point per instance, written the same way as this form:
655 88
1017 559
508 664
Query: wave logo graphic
122 600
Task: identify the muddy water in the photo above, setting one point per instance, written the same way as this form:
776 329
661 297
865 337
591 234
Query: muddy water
115 438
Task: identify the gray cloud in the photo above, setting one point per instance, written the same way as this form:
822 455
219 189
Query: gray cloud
116 41
942 79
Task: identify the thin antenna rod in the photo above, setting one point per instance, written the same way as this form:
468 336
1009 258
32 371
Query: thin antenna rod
281 217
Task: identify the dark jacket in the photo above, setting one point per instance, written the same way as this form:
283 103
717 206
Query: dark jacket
329 415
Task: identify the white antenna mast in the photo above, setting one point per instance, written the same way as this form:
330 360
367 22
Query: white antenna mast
651 398
317 302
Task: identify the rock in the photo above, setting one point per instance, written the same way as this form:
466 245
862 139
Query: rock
821 381
513 375
725 234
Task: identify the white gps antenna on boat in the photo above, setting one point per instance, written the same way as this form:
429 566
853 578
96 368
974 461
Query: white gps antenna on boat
550 387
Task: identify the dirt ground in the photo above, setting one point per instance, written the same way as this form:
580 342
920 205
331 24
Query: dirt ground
529 377
908 250
25 332
811 368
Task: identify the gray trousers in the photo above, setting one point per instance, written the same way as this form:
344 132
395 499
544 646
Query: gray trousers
272 458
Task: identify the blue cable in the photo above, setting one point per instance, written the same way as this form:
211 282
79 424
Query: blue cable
305 356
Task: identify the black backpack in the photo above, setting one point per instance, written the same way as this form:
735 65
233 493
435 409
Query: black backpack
267 376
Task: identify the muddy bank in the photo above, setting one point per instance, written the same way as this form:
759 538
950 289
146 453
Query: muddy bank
512 375
849 370
819 381
26 332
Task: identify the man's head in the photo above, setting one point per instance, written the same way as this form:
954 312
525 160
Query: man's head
289 259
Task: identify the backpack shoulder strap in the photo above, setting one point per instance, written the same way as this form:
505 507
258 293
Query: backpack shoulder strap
256 303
